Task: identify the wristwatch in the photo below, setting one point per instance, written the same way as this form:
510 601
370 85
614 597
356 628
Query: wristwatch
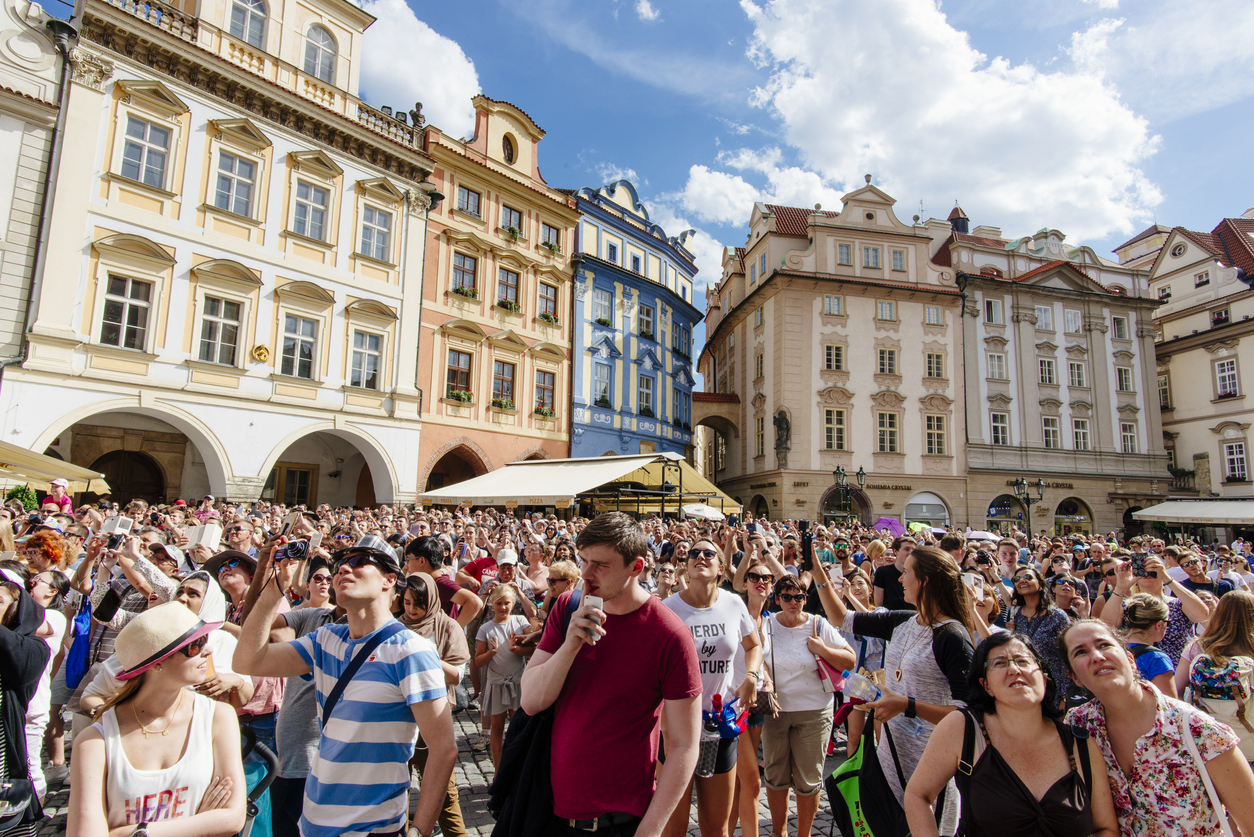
141 830
910 711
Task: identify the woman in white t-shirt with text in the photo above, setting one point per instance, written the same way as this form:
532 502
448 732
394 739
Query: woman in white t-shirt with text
720 623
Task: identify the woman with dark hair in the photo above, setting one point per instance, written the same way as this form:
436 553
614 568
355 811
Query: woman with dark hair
23 658
1032 614
925 663
758 579
1022 778
1166 761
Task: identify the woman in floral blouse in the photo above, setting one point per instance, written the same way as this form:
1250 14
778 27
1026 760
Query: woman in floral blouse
1156 782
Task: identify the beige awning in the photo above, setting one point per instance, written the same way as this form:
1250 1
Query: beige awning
1201 512
545 482
19 465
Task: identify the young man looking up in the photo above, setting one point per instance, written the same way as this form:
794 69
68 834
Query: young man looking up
888 590
611 695
360 776
426 555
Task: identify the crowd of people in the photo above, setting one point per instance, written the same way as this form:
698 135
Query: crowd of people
628 675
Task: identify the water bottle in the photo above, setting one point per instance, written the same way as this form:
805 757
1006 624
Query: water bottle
860 687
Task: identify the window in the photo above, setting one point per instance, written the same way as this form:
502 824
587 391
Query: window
646 321
1045 317
502 380
753 273
681 337
507 149
757 317
635 264
888 361
759 436
601 383
833 357
506 286
458 376
888 430
1234 461
236 179
1226 378
548 299
644 395
870 257
934 315
464 271
993 312
1201 279
1001 428
935 365
899 260
1127 433
844 254
1080 433
545 382
300 338
1075 374
935 430
219 331
611 252
1218 318
125 318
376 233
1049 371
145 152
1119 328
467 201
1123 378
759 365
681 406
511 217
1050 434
762 265
1072 321
1164 392
602 304
320 54
885 309
833 429
997 366
1164 292
832 305
248 22
367 360
311 210
550 235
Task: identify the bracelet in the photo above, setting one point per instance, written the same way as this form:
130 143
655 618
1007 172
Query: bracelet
1116 593
821 586
756 675
910 709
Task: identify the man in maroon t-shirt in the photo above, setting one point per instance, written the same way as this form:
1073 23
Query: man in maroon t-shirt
426 555
610 695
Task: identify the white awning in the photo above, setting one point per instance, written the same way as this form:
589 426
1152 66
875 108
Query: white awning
19 465
1205 512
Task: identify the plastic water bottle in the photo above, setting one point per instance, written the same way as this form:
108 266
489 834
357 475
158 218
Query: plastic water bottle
860 687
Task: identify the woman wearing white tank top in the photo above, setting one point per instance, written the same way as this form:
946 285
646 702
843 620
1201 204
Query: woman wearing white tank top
160 754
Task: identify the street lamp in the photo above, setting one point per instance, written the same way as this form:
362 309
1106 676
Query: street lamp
841 478
1022 487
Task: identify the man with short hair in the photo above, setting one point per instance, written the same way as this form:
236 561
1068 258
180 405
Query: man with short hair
889 592
239 536
360 775
428 555
612 676
955 545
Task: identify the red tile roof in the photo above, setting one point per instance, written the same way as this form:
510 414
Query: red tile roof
1050 266
740 253
515 107
793 220
717 397
27 96
1237 237
1207 241
957 213
1146 233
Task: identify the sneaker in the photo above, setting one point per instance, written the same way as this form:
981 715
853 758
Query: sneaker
56 773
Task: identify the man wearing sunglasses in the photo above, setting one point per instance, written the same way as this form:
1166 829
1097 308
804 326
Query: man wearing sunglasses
239 536
398 691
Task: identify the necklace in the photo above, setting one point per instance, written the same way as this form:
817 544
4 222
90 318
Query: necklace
147 732
915 643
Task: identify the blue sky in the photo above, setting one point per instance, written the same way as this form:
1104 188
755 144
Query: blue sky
1097 117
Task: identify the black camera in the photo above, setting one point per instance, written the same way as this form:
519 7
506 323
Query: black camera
34 517
982 557
115 541
155 517
295 551
803 526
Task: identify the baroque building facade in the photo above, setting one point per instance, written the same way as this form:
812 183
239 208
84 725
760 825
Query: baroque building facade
230 301
632 353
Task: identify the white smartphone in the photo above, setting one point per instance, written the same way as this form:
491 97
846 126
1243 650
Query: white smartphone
315 540
971 580
593 601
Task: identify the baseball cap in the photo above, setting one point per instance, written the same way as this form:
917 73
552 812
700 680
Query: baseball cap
376 547
53 524
180 502
506 556
61 482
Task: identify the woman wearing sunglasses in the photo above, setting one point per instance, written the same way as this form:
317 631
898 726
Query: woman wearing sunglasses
1069 596
159 751
758 580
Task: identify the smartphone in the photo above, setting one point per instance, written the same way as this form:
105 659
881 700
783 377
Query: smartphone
315 540
1138 566
598 603
972 580
288 523
733 520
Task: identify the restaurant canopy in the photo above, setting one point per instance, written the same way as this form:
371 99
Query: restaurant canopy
650 482
1201 512
19 465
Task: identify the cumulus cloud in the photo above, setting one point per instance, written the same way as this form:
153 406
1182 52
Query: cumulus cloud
893 89
646 12
707 249
724 198
610 173
406 61
1104 4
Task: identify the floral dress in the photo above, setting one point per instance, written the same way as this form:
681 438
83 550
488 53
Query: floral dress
1165 795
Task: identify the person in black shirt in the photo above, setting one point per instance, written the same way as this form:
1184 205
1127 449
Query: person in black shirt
1195 566
888 590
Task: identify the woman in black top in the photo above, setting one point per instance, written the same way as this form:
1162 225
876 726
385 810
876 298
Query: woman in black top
1025 775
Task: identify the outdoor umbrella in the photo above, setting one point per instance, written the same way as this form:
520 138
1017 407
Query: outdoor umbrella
982 536
892 524
703 512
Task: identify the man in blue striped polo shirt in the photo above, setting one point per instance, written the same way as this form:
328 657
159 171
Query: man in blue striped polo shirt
359 782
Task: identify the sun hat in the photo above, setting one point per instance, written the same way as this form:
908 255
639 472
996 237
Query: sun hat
156 634
215 563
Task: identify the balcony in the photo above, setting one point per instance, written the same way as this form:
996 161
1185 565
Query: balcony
387 125
160 15
1182 480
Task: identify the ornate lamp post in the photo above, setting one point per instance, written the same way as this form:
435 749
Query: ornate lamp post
842 484
1022 488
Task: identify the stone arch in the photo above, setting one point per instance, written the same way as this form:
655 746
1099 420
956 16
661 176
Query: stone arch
382 471
859 504
533 452
478 459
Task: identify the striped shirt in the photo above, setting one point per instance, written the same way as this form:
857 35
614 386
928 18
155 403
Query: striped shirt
359 781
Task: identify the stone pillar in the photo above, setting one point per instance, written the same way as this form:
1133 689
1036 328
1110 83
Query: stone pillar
1201 475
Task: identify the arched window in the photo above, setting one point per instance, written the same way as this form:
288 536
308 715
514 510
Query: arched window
248 22
320 54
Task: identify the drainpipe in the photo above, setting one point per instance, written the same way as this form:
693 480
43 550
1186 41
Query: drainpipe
64 35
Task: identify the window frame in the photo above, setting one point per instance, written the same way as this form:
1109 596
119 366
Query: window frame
898 260
1080 436
759 366
235 179
603 304
1051 426
934 363
1123 379
929 310
888 431
1069 314
1201 280
834 429
204 318
464 201
388 248
1218 377
646 312
149 306
327 209
637 264
597 368
844 254
1119 328
1044 317
542 387
886 362
871 257
646 395
545 303
994 311
1076 371
1164 392
833 305
1047 363
380 354
1128 431
321 53
500 379
888 306
833 357
452 371
151 120
999 428
315 354
611 252
759 436
545 229
249 10
1232 456
997 366
935 431
508 218
510 281
457 272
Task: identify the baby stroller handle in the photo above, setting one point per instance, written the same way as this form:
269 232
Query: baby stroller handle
252 745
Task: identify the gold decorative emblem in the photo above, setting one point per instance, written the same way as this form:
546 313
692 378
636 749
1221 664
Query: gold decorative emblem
261 354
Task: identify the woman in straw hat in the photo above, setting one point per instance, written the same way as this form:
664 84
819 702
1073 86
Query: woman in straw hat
160 751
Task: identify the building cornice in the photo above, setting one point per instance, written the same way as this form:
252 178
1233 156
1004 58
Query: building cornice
1238 328
441 150
641 228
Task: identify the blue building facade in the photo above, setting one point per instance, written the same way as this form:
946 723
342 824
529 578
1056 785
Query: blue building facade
632 378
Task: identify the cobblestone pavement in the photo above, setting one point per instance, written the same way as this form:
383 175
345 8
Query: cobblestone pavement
474 774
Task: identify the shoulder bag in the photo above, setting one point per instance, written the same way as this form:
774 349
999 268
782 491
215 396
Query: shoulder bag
383 635
766 703
832 678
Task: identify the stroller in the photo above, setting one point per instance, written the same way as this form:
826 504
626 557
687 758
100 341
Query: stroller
251 745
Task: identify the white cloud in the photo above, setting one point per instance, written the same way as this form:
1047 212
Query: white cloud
610 173
1104 4
706 249
903 95
723 198
646 12
406 61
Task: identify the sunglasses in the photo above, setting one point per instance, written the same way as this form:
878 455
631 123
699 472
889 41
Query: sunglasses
702 553
758 578
1024 577
1064 582
234 562
794 598
193 648
1109 574
320 578
553 581
356 562
235 529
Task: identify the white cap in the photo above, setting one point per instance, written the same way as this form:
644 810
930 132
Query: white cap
506 556
60 482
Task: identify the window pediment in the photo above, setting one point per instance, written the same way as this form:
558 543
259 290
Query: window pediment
1230 429
509 341
995 342
1122 356
464 329
937 403
154 96
648 360
548 351
1129 410
242 132
888 399
135 249
316 163
381 189
371 309
1077 350
227 271
1050 406
1000 399
604 347
1081 408
835 395
305 292
1046 348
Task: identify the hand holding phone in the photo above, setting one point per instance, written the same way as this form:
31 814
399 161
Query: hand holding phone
589 603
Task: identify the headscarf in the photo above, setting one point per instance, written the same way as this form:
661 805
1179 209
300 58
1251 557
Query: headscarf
213 603
450 641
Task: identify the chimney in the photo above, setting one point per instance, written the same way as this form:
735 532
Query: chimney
958 220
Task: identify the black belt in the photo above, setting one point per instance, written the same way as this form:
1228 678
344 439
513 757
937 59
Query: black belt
604 821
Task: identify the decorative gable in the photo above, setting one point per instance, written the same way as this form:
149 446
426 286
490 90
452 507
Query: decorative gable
316 163
648 360
152 95
509 341
241 132
603 347
381 189
683 377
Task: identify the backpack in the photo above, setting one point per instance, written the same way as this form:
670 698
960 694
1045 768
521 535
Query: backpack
1208 680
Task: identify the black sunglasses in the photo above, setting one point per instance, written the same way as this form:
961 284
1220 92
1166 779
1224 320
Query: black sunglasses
358 561
193 648
755 578
792 597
